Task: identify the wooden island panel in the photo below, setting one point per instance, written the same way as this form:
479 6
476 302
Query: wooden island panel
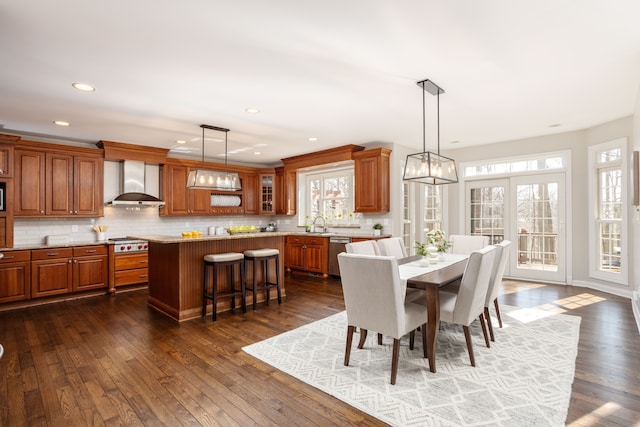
176 271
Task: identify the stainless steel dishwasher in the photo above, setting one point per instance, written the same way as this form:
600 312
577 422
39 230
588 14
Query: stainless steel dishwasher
336 245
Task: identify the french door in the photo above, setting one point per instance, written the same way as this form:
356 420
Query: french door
528 210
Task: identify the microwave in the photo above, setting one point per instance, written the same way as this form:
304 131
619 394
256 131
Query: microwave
3 196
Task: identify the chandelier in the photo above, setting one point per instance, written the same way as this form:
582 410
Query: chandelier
210 179
428 167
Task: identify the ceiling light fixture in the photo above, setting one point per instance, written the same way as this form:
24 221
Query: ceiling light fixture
252 110
84 87
214 180
61 123
181 141
428 167
313 139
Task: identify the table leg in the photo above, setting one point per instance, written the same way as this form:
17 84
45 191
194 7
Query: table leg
433 323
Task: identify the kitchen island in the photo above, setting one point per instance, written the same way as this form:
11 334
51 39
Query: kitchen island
176 270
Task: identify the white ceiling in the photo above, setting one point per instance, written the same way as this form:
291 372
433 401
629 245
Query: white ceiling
344 72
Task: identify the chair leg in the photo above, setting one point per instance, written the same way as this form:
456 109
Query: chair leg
363 337
495 303
394 360
278 279
467 337
379 339
347 350
412 339
423 329
484 331
489 323
243 287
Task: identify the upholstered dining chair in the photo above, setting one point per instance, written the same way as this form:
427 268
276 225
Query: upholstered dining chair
495 280
464 307
366 247
392 246
464 244
374 300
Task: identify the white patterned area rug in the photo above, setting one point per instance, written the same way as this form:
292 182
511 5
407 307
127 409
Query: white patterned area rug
524 379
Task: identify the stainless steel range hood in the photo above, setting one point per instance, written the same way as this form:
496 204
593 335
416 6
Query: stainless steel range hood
133 188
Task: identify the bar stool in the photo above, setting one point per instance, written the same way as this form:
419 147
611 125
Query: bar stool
211 263
257 256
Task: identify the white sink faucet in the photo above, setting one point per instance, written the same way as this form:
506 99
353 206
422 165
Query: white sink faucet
324 224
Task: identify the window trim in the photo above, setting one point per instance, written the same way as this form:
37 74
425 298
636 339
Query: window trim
594 196
304 196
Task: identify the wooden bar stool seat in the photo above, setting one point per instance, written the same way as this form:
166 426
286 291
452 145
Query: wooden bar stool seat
211 264
259 258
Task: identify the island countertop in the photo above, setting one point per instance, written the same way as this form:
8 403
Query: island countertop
161 238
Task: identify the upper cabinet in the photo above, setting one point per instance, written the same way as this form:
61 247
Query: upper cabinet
371 170
267 193
58 182
6 158
285 196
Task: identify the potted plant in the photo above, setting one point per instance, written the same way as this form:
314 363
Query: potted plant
438 240
377 229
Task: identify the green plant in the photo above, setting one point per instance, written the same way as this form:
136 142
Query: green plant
437 239
421 249
377 226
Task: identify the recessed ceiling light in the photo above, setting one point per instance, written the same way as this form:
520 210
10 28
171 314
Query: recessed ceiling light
61 123
257 153
181 141
252 110
84 87
313 138
455 142
555 125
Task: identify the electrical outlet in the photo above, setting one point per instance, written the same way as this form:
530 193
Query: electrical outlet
74 228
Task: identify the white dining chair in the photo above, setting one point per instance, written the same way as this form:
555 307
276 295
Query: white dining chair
392 246
465 244
374 300
495 281
467 304
366 247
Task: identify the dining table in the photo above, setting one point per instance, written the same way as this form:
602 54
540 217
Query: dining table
431 277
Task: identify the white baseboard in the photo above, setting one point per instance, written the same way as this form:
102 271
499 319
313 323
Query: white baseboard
610 289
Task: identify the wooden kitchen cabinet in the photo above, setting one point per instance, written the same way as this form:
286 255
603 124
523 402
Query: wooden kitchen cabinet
178 198
29 177
131 268
307 253
250 192
371 173
15 276
90 267
266 193
285 191
6 159
53 182
51 271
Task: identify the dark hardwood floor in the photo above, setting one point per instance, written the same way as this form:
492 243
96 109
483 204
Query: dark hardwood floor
113 361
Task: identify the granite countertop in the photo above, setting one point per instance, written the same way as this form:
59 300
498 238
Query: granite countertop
59 245
159 238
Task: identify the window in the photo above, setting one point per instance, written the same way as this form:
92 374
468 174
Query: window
608 236
329 194
433 207
549 162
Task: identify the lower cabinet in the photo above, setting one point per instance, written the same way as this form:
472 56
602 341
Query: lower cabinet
15 276
307 253
130 269
61 270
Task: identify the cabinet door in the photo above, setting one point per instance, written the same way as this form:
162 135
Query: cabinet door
295 256
29 183
88 186
59 185
266 193
371 173
250 191
316 255
6 161
51 277
89 272
15 276
175 190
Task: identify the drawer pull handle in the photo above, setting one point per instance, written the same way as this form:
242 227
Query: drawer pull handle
6 256
144 261
142 276
52 254
90 251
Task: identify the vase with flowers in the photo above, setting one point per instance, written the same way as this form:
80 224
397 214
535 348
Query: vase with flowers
437 238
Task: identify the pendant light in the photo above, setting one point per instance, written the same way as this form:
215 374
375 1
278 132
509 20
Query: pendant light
428 167
214 180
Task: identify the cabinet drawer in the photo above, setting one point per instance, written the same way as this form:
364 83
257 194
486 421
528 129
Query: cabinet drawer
89 250
128 262
317 241
53 253
295 239
15 256
128 277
